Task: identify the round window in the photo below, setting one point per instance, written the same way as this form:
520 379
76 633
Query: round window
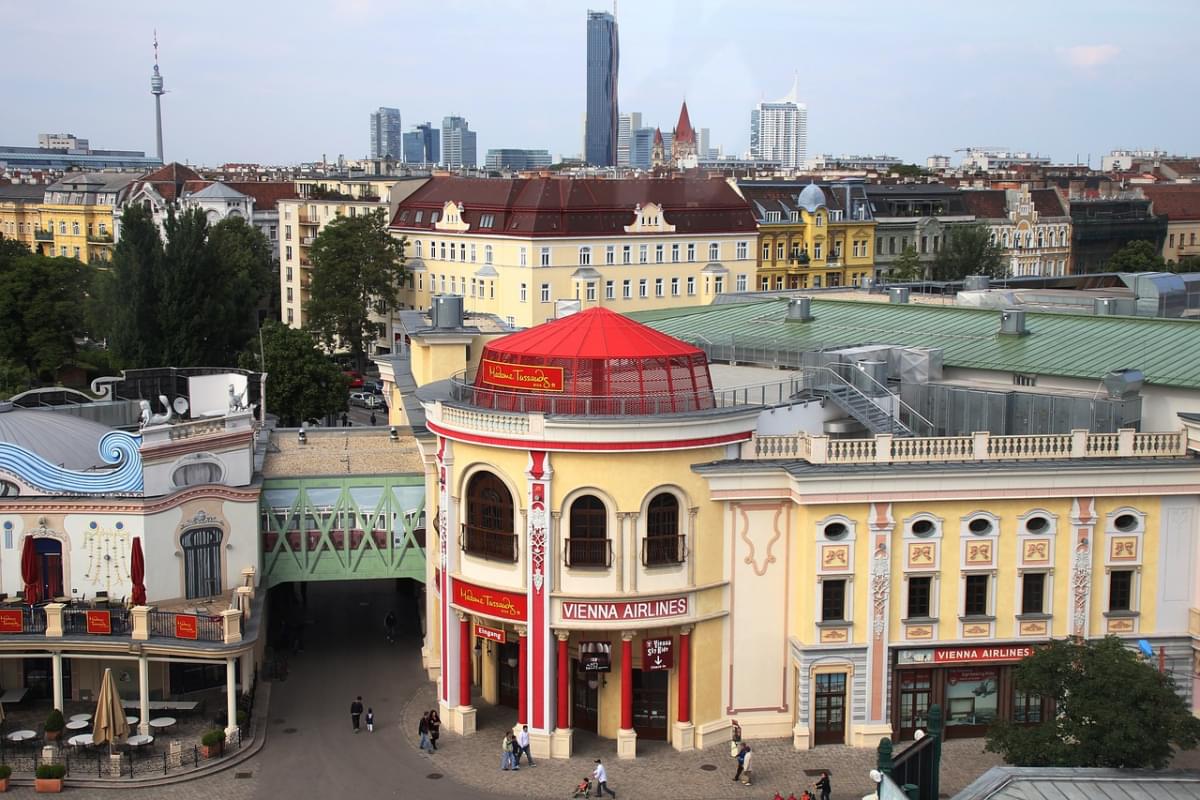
923 527
1126 523
1037 524
980 526
836 530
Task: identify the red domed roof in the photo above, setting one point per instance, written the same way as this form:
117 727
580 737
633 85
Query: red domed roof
593 362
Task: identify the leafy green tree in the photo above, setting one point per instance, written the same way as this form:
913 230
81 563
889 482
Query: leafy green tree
908 266
303 383
356 273
909 171
1113 710
1185 264
41 302
245 269
135 333
968 250
1136 256
191 294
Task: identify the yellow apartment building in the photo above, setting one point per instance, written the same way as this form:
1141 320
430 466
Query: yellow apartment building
20 212
532 249
1180 204
79 213
811 236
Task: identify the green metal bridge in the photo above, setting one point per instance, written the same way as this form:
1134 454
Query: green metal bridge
342 528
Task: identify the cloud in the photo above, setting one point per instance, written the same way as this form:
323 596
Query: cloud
1087 56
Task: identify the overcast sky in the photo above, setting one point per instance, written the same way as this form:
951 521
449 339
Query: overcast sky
258 80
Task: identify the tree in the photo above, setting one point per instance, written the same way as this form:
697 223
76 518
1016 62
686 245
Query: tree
302 382
357 270
908 266
968 250
135 334
41 304
1136 256
1113 709
1185 264
191 294
246 270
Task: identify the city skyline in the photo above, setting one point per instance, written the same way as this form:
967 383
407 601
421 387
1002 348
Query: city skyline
884 84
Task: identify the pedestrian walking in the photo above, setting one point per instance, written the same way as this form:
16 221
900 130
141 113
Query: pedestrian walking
741 762
516 751
823 786
601 776
747 767
506 756
735 744
423 731
356 709
523 744
370 720
435 728
389 624
372 419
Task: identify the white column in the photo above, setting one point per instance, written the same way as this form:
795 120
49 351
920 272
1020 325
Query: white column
230 696
143 695
56 672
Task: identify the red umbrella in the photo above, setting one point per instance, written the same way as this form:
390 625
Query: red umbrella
29 571
137 573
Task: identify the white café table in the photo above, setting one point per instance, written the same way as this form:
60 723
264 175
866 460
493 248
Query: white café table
77 724
141 740
21 736
161 723
84 717
80 740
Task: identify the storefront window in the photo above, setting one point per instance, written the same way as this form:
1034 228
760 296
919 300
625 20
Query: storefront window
915 693
1027 708
971 696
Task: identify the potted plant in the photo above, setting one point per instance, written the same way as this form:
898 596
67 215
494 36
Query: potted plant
5 774
49 778
242 719
212 743
54 725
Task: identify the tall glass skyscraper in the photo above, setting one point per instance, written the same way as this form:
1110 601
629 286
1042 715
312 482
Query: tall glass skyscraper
385 133
458 143
779 130
600 131
421 145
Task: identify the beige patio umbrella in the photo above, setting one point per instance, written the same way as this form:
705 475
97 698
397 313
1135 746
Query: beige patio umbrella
109 724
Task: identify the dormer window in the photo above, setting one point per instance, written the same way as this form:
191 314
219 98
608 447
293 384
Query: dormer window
795 216
419 216
433 216
487 221
772 216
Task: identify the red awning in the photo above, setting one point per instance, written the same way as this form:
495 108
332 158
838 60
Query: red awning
595 333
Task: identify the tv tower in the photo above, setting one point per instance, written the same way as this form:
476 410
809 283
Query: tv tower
156 89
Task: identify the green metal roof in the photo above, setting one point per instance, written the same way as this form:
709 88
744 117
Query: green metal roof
1167 351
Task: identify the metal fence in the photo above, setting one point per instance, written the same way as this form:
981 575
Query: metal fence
98 762
75 621
208 628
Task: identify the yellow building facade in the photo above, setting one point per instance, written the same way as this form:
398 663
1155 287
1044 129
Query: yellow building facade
20 212
530 249
811 236
78 216
826 589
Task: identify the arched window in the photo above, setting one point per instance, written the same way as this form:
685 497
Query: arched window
488 531
663 543
202 561
418 248
588 545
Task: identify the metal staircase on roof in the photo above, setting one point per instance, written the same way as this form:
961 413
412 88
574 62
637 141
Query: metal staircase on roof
862 408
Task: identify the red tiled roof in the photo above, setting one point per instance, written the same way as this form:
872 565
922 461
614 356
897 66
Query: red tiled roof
1176 202
169 181
595 333
658 139
266 194
1048 203
986 203
683 129
547 206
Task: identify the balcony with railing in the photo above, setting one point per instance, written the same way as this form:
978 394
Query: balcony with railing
100 238
663 550
587 552
41 235
491 544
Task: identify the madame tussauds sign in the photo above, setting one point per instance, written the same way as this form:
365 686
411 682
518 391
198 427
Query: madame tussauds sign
521 376
619 612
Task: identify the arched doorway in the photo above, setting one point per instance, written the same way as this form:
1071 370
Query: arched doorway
202 561
50 566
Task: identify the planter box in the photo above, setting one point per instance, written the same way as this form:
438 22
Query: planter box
53 736
212 752
48 785
3 784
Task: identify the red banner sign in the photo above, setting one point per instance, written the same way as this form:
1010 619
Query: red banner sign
619 612
658 654
491 634
187 626
958 655
99 622
522 376
490 602
11 621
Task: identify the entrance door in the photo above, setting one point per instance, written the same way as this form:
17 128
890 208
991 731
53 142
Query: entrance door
39 678
584 699
829 709
650 703
50 567
508 674
202 562
915 694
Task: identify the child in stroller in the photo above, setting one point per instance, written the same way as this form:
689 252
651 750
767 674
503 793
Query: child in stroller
584 787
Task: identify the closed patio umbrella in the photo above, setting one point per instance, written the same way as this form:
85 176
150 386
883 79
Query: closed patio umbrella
137 574
29 570
109 725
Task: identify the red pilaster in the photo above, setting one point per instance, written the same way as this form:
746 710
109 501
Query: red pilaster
523 676
464 662
564 678
685 676
626 684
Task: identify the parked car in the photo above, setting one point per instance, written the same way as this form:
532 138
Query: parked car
366 400
375 387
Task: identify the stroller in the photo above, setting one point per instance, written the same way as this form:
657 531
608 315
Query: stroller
584 788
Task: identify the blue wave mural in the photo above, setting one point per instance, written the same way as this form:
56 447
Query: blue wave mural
116 447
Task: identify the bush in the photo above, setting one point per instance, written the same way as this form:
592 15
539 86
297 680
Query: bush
51 771
55 722
212 738
5 772
242 718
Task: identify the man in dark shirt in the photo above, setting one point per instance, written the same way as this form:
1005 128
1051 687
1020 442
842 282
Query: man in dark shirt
356 709
822 786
